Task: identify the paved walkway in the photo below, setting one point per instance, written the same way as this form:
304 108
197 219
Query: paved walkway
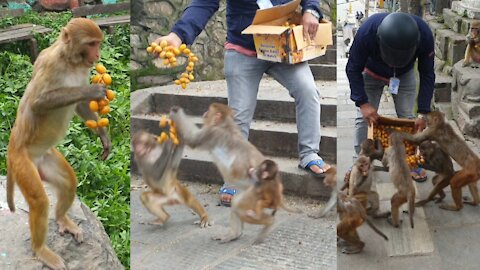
454 235
296 242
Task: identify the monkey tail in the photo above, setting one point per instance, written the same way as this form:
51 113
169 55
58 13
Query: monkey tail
10 190
411 206
376 229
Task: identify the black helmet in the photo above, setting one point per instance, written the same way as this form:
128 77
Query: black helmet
398 37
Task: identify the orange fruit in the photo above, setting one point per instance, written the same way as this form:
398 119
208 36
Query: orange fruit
191 64
96 78
104 102
91 123
105 110
169 55
153 45
163 121
191 77
184 86
149 49
186 51
177 82
162 54
93 105
182 47
100 68
102 122
107 79
189 68
175 141
163 43
166 62
158 49
176 51
162 138
184 75
111 95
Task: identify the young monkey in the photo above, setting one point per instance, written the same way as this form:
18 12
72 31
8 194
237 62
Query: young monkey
472 53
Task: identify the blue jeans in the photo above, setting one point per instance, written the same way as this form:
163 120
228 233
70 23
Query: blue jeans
404 101
243 74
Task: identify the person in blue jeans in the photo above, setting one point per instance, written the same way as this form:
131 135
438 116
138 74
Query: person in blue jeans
243 71
384 53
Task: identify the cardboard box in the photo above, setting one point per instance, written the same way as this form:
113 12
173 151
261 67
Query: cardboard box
393 122
278 43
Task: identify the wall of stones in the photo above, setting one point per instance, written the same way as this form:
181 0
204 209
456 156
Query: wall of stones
154 18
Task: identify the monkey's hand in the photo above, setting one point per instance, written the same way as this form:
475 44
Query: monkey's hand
420 124
107 145
95 92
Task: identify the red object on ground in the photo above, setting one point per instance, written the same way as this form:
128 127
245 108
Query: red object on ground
59 4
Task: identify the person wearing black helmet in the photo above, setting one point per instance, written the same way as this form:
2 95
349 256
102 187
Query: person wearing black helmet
383 53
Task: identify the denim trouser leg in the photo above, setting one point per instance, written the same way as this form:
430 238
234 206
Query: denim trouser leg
299 81
243 75
404 102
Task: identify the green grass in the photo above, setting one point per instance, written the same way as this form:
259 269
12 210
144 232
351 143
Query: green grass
102 185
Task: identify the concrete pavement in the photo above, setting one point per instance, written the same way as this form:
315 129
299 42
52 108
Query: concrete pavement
296 242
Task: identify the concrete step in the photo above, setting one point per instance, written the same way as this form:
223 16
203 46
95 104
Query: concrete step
273 103
197 166
271 138
330 57
324 72
443 87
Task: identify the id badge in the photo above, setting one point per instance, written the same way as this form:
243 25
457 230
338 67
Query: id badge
393 85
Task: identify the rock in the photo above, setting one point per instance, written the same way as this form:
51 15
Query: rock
466 98
95 252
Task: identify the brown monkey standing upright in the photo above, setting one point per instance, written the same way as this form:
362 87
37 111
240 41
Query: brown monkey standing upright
58 89
158 165
441 132
472 53
395 160
232 154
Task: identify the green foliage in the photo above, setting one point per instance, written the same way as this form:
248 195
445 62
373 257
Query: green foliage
102 185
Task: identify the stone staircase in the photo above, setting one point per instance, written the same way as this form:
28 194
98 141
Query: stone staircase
273 130
450 44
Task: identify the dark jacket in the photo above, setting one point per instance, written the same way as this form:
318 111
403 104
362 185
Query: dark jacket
240 14
365 52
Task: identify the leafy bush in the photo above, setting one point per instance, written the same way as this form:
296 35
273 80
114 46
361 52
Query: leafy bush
102 185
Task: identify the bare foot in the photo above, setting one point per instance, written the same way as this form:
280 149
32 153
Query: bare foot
49 258
66 225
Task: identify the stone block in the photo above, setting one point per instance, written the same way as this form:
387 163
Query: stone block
435 25
456 48
452 20
441 43
465 28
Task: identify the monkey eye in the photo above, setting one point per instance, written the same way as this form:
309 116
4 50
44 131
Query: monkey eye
92 43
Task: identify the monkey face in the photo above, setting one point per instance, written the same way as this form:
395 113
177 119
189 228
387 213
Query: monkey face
363 165
82 38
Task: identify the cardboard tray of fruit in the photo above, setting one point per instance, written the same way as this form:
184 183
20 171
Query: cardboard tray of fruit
385 125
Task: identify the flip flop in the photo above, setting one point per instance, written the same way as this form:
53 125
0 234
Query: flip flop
226 195
418 172
320 163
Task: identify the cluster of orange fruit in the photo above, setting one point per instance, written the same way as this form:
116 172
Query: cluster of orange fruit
382 133
289 25
169 55
101 106
172 132
415 160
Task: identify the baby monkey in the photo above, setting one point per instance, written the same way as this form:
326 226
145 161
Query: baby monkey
472 53
268 188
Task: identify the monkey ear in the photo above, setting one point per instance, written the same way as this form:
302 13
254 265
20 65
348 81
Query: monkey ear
65 35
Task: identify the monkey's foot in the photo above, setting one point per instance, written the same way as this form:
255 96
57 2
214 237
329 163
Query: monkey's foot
51 259
450 207
421 203
352 249
204 222
226 238
66 225
390 221
157 221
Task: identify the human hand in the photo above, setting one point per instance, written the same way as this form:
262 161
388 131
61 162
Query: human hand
172 39
420 124
369 113
310 25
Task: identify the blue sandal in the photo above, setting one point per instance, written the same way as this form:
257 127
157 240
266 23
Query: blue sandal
418 172
226 195
320 163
